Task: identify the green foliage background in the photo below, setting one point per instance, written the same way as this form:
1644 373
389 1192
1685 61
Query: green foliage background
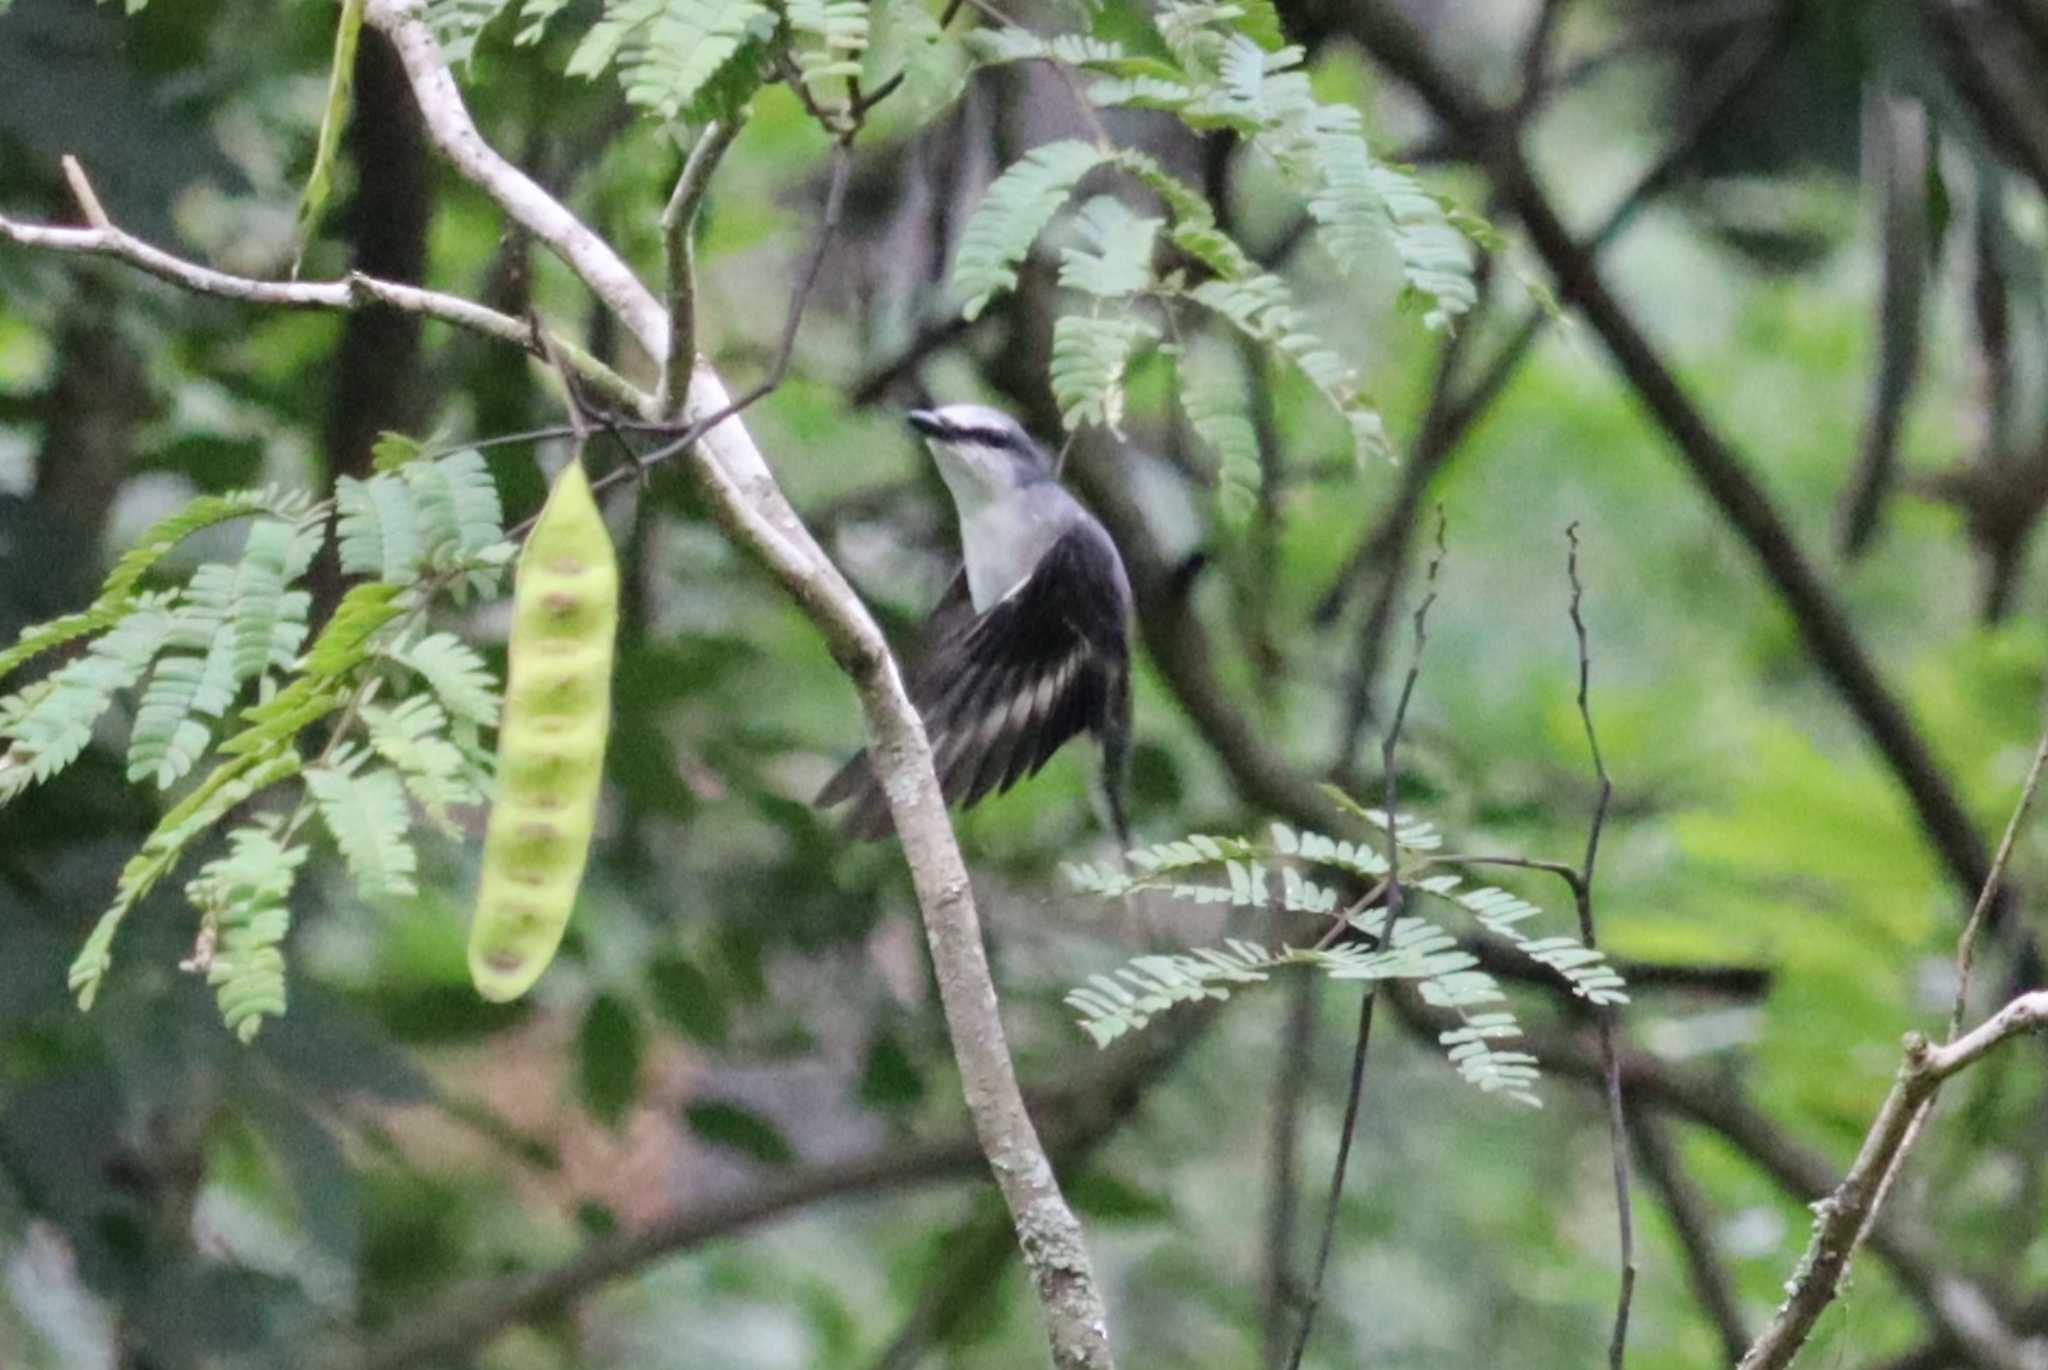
743 993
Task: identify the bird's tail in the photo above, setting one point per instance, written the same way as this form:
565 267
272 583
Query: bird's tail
868 818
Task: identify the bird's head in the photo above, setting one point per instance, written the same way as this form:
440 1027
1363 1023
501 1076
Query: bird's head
982 453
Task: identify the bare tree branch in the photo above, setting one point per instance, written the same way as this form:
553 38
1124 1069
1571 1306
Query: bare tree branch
1847 1213
352 292
678 229
1582 895
749 505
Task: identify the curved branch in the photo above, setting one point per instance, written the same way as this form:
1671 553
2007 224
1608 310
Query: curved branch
749 505
352 292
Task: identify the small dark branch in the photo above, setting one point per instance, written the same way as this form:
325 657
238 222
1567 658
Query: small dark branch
835 204
932 339
1582 892
1693 1225
678 227
1897 140
1966 945
1991 310
1392 889
470 1321
1290 1086
1536 54
1354 1095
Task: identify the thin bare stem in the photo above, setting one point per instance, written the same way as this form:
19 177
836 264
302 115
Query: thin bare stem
1353 1097
1582 891
1392 887
1966 945
828 227
678 228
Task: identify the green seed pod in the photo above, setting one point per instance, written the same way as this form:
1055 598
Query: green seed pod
565 613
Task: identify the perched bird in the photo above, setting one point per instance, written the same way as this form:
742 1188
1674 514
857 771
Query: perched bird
1030 646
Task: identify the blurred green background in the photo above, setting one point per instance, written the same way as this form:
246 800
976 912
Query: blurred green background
745 998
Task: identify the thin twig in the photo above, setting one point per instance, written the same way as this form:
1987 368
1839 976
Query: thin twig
678 229
1966 945
1392 885
1353 1097
1617 1122
828 227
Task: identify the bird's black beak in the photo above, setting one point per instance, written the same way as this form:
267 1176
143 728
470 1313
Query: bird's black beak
927 423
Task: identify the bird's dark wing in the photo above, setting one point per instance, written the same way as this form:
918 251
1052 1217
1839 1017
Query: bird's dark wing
1001 691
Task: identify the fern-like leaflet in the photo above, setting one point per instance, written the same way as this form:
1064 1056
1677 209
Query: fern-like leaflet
1237 872
1012 214
831 36
430 527
366 812
244 895
671 53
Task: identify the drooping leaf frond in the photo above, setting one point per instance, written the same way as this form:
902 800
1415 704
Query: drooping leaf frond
234 622
1012 214
1114 259
244 894
1586 969
905 40
1009 43
345 640
534 18
365 811
671 52
122 582
1089 357
50 724
412 737
457 24
1357 858
1219 410
455 673
426 516
1470 1048
227 785
1112 1005
830 36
